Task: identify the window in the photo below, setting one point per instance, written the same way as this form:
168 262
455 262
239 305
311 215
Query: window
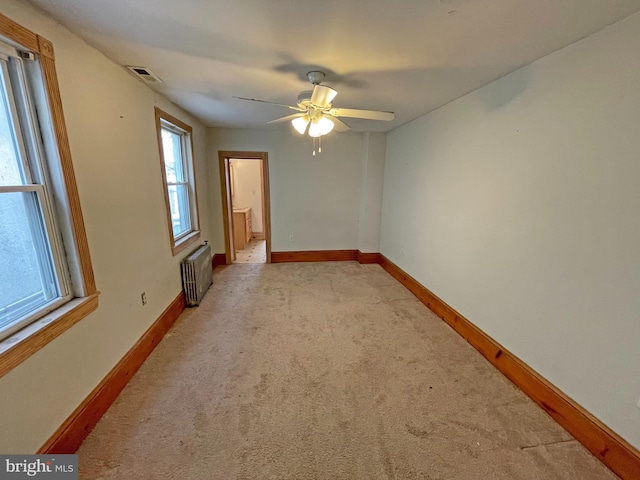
46 278
33 279
176 156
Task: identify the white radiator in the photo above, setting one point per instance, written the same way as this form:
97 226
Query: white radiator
197 274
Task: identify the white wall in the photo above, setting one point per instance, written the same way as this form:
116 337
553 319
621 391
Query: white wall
247 190
315 199
519 205
373 155
110 120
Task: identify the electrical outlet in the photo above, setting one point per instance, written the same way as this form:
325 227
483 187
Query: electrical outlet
143 297
291 238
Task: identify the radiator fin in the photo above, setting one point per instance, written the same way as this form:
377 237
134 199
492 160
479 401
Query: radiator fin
197 275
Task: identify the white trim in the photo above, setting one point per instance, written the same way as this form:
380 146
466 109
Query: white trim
7 51
40 217
186 159
14 120
164 123
44 310
20 188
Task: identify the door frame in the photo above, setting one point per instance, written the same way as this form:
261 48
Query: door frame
227 201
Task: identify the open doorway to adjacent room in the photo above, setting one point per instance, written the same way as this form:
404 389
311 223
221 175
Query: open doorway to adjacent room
245 198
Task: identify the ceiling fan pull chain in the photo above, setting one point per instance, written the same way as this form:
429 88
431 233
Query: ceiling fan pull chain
314 146
320 144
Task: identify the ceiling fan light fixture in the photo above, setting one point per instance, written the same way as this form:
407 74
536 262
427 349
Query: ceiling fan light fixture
320 126
315 113
300 124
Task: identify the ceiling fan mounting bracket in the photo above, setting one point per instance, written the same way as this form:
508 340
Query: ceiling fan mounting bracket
315 76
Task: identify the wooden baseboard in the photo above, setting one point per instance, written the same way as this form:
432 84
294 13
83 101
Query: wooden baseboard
314 256
74 430
366 258
611 449
218 259
325 256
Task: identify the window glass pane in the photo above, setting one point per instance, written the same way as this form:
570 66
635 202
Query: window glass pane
26 278
179 203
174 166
10 164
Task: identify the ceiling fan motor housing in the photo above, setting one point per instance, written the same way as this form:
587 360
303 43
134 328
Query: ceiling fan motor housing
315 76
304 98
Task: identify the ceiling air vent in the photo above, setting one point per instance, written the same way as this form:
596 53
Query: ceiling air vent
144 73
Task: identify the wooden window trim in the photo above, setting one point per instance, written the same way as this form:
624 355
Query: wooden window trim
194 234
21 345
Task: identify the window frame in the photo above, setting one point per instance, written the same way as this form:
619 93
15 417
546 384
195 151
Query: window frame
20 345
31 163
165 120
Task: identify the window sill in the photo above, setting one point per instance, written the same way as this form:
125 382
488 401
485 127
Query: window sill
24 343
184 242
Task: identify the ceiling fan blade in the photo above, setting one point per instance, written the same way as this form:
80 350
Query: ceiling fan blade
366 114
287 118
322 95
339 125
271 103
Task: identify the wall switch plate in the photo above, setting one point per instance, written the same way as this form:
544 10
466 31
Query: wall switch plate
143 297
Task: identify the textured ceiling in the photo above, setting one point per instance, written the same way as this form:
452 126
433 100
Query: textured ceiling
405 56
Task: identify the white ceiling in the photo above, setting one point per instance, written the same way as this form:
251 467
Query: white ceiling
405 56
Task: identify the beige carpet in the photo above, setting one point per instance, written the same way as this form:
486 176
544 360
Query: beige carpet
323 371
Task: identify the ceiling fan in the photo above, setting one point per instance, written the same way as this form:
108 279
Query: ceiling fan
315 110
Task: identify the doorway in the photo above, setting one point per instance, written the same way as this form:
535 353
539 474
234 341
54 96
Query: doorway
244 181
